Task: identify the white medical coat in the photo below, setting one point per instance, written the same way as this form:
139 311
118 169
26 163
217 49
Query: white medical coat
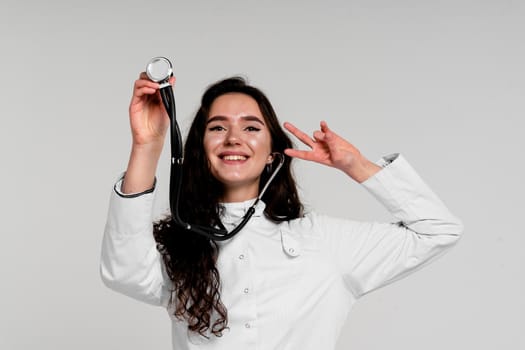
287 285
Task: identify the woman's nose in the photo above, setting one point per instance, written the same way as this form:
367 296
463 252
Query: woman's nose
233 137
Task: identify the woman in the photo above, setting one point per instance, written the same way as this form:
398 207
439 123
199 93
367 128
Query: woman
288 279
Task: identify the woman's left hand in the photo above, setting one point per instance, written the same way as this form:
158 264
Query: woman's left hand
330 149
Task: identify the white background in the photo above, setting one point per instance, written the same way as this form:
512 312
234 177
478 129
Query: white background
440 81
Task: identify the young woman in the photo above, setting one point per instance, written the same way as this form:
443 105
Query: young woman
288 279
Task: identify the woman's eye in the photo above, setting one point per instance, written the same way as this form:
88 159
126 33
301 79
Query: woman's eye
252 128
216 128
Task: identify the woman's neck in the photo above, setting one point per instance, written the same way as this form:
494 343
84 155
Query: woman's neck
240 194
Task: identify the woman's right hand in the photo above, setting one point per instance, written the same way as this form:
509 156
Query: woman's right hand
149 123
148 118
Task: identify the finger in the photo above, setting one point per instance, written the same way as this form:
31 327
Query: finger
329 135
144 87
326 129
146 82
295 153
304 138
144 91
319 136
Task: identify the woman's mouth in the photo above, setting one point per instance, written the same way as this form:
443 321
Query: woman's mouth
234 157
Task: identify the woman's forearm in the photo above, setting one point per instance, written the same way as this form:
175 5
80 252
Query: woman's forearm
142 166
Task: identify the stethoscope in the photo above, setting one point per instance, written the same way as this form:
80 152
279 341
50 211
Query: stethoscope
160 70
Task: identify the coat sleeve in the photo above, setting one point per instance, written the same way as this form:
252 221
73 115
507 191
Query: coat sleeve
371 255
130 262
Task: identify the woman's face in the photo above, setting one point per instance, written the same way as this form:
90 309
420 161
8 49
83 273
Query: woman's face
238 144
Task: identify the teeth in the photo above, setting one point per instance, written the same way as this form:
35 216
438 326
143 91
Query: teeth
234 157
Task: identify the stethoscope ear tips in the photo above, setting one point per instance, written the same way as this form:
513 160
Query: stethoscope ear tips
159 69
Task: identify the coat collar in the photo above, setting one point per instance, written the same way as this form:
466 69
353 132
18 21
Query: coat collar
233 212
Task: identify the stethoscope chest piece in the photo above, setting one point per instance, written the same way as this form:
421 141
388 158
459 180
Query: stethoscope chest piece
159 69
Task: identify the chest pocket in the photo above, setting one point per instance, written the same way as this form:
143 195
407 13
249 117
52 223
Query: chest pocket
296 243
291 245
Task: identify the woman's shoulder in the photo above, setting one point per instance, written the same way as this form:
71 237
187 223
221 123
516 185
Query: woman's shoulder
311 222
314 223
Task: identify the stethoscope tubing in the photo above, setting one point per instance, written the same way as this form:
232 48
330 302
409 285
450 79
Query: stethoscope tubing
176 174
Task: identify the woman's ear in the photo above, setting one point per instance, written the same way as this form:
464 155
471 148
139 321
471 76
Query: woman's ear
269 160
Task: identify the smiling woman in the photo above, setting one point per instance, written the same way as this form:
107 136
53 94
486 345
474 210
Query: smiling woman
287 272
238 145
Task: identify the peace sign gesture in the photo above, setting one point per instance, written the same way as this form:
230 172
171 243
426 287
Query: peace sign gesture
330 149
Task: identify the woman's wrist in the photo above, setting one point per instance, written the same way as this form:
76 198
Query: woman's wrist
362 170
142 166
149 148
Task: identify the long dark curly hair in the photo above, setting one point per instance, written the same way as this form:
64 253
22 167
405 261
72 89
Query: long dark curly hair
190 259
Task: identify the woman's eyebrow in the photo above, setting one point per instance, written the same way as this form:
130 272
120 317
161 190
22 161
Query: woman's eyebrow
245 118
253 118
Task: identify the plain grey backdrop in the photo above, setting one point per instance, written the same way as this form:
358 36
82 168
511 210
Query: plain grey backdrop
440 81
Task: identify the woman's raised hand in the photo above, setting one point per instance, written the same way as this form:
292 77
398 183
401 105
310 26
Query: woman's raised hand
148 118
330 149
149 123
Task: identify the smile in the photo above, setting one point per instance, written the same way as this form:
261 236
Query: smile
234 157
